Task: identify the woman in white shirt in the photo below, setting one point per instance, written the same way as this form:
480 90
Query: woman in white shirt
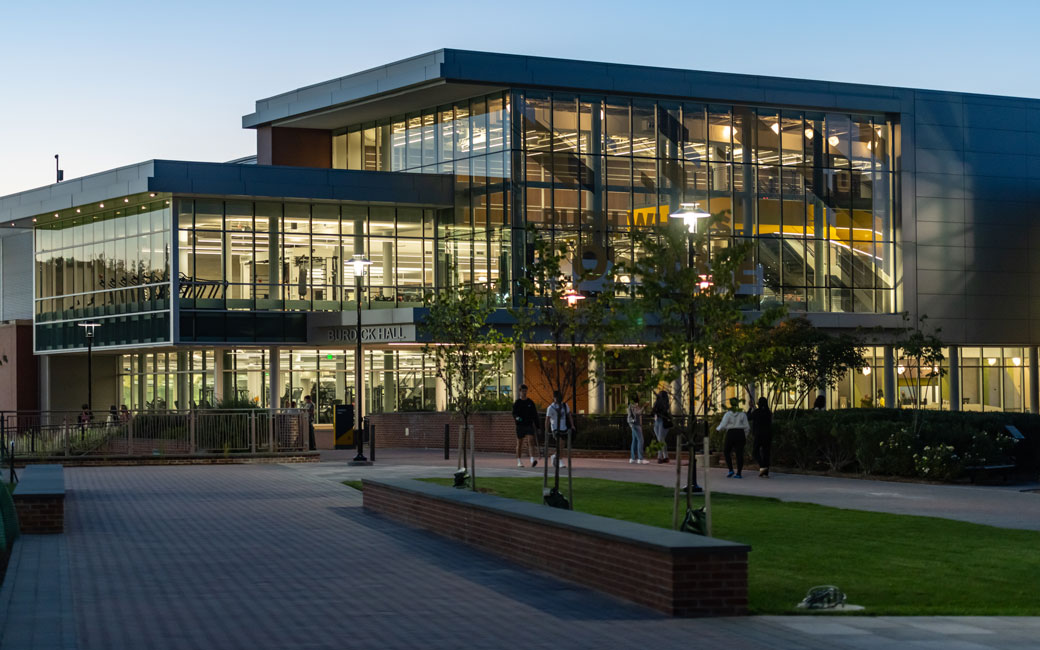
735 424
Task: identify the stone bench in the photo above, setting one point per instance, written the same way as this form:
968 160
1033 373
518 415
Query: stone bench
39 499
677 573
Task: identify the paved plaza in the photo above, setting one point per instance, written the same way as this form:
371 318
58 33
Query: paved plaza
282 556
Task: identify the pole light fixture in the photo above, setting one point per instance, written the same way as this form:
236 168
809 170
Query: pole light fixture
691 214
360 265
88 330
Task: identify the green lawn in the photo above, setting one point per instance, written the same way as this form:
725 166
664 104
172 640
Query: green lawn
890 564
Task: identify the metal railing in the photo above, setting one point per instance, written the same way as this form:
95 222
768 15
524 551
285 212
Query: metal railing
156 433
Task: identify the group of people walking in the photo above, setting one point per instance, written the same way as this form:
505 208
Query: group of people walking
558 422
735 423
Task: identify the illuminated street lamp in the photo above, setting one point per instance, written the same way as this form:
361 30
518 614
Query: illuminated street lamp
88 329
691 214
360 265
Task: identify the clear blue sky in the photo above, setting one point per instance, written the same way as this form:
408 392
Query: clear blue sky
110 83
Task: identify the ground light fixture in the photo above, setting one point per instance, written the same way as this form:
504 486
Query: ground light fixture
88 330
360 265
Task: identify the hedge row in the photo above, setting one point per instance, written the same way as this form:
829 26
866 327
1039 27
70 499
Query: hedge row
886 442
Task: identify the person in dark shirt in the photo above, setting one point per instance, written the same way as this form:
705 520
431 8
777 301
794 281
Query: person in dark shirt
525 414
762 428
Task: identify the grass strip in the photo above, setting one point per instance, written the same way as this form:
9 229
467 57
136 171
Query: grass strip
890 564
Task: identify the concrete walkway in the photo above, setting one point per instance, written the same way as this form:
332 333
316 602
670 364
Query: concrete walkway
283 557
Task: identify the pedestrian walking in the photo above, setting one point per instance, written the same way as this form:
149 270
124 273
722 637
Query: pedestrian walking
635 422
762 429
525 413
662 423
735 424
558 422
308 409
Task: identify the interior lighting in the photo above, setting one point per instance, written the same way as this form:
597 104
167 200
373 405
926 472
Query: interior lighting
55 215
572 297
126 200
101 205
901 369
866 370
77 210
775 127
809 133
991 361
726 132
1015 360
833 141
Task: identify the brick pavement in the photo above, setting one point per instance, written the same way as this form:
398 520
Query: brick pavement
274 557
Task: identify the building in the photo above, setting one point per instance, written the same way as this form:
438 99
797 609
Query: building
209 279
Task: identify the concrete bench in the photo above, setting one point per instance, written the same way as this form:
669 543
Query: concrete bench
39 499
677 573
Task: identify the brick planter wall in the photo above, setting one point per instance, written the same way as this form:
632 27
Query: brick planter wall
676 573
492 431
42 514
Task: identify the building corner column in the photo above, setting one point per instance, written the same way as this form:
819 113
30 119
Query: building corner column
597 385
45 382
955 378
891 394
1034 380
218 376
274 398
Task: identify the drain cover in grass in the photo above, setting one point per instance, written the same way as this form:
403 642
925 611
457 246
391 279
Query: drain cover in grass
827 598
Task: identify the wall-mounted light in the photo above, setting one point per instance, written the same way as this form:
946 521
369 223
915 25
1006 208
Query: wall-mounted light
991 361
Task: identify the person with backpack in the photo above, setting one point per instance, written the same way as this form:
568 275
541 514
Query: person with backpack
662 423
635 422
735 424
558 422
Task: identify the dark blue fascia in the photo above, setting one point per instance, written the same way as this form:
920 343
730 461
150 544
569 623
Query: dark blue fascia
276 181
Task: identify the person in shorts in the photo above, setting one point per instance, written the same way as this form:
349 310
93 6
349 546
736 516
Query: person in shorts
525 414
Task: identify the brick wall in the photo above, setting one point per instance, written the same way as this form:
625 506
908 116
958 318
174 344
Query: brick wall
679 582
492 431
40 514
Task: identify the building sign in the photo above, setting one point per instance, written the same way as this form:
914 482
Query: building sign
369 334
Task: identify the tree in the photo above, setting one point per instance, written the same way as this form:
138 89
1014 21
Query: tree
689 292
925 349
552 308
789 356
562 305
469 353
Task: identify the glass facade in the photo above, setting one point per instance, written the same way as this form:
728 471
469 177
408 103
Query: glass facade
399 379
108 264
812 191
246 255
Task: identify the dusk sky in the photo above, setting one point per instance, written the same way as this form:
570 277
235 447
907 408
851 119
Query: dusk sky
109 83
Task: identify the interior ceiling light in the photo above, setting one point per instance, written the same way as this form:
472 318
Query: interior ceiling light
726 132
991 361
866 370
1015 360
775 127
809 133
901 369
833 141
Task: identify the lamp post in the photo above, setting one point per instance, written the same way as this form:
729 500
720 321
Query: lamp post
88 329
573 298
692 215
360 264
